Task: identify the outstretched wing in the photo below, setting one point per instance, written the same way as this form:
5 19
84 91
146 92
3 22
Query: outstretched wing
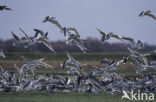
129 39
15 36
116 36
46 43
55 22
27 37
152 16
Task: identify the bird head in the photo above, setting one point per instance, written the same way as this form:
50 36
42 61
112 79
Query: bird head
46 19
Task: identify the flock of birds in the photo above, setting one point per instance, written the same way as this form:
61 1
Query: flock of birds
100 79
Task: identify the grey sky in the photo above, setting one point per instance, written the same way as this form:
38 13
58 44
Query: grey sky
118 16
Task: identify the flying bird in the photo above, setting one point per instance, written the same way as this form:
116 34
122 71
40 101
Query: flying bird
134 45
1 53
55 22
147 13
107 36
4 8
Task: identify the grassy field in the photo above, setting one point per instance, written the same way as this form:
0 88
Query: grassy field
55 60
61 97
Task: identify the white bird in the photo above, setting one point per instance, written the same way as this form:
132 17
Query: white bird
37 62
107 36
2 54
29 40
55 22
147 13
134 45
46 42
18 40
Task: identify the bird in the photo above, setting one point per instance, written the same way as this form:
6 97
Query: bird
147 13
2 54
29 40
37 62
4 8
107 36
134 45
18 40
46 42
74 39
55 22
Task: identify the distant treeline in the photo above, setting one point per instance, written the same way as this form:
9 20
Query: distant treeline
92 44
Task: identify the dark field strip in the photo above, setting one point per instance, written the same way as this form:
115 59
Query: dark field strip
41 96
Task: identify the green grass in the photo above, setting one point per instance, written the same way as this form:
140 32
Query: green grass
61 97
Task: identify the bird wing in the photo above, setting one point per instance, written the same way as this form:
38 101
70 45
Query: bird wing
54 21
39 31
101 32
141 14
27 37
116 36
6 8
26 59
15 36
74 29
151 15
129 39
46 43
70 57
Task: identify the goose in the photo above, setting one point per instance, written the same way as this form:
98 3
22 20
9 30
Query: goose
55 22
107 36
4 8
147 13
2 54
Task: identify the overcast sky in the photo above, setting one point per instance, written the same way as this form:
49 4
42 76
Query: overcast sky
118 16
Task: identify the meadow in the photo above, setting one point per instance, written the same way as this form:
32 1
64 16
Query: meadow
55 59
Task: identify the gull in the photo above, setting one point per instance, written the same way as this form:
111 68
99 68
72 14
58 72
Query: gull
2 54
29 40
37 62
74 39
23 70
134 45
4 72
147 13
79 44
107 36
4 8
45 41
71 62
18 40
55 22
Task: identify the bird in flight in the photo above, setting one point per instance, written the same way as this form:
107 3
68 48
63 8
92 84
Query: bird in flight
4 8
107 36
147 13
